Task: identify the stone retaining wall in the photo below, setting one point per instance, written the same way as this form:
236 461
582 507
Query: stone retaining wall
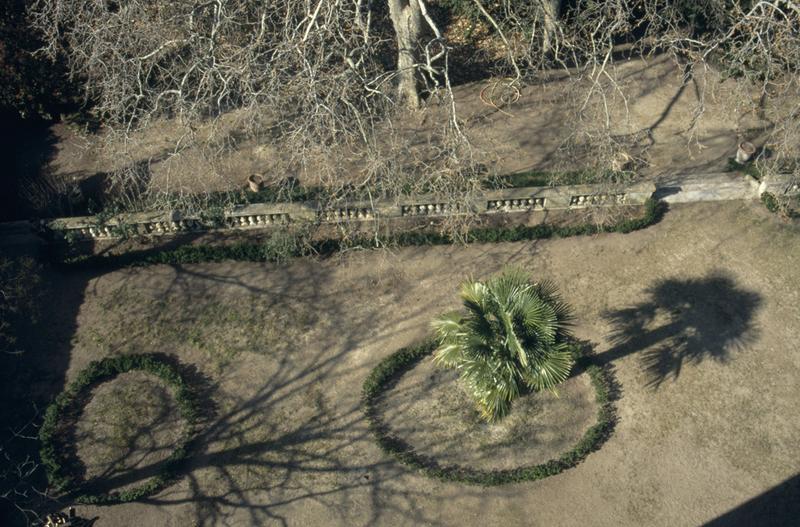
262 215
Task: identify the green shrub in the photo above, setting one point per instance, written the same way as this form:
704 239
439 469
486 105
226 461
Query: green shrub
788 206
770 202
749 168
97 372
510 336
20 283
390 369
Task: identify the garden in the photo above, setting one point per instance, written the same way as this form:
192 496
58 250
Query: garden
602 378
409 262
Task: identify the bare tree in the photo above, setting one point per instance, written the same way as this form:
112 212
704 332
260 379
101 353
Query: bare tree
407 21
307 75
311 76
752 44
550 12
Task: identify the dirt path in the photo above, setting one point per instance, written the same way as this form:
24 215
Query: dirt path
698 315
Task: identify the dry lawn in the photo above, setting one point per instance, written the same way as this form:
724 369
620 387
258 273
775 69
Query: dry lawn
130 424
430 410
698 316
654 119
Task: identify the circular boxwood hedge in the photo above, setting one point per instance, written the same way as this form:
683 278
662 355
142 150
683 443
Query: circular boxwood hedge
76 394
388 371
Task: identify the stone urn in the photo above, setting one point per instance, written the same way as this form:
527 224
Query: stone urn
745 152
255 182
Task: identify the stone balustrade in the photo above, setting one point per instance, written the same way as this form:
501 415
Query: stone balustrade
429 209
164 227
346 213
256 220
587 200
263 215
514 204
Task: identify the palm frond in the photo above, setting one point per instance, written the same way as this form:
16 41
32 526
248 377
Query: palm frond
548 292
447 325
511 334
550 370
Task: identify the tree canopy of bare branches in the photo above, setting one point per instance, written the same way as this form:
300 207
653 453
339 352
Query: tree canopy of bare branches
326 76
315 73
753 43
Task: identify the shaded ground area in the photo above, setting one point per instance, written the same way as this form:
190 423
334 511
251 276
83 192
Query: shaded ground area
430 411
658 121
711 292
685 321
131 422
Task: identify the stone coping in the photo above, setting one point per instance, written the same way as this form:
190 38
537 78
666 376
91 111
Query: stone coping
265 215
676 188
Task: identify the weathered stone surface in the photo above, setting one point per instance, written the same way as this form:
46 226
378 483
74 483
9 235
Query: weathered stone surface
720 186
262 215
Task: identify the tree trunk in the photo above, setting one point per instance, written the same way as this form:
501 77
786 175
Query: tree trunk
552 9
407 21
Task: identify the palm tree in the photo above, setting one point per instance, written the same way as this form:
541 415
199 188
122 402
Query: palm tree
513 335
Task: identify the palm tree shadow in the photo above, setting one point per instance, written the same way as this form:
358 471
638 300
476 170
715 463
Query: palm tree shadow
684 322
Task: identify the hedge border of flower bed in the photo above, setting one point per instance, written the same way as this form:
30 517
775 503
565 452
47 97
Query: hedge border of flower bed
390 369
258 252
96 373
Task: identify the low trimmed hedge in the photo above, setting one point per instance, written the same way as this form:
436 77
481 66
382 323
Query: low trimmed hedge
97 372
388 371
267 252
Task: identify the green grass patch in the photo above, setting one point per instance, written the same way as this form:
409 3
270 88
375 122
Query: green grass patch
389 370
56 467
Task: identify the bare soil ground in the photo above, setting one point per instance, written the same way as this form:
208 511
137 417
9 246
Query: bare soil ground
698 316
130 423
654 118
430 410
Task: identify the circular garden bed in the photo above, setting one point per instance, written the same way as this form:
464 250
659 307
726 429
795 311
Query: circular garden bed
420 415
120 415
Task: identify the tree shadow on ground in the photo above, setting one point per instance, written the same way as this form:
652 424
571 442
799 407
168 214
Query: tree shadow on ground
684 322
287 429
29 380
146 444
27 148
426 411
